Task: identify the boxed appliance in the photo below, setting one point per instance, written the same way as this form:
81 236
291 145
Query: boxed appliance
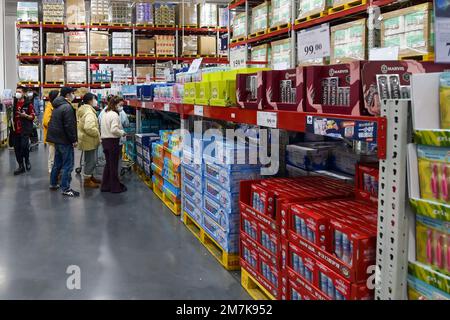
121 11
99 42
334 89
281 12
100 11
189 45
28 73
164 14
348 41
144 13
410 29
281 54
307 8
207 46
165 45
187 14
76 71
55 43
53 11
54 73
207 15
76 42
145 46
260 17
121 43
27 11
75 12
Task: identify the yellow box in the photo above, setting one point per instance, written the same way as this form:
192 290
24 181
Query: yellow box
223 93
189 93
203 92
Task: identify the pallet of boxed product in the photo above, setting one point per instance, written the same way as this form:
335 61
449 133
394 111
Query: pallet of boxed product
165 46
100 12
144 177
144 14
348 41
253 287
281 15
121 13
27 12
53 12
164 15
311 9
260 20
341 5
187 15
230 261
99 41
239 27
207 15
75 12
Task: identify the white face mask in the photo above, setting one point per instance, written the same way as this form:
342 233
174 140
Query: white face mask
95 104
19 95
71 97
30 94
120 108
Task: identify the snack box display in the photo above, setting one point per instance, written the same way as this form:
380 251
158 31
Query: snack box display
334 89
229 242
391 80
192 177
309 155
171 191
424 283
434 169
249 252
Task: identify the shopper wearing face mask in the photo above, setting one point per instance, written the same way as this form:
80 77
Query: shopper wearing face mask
111 133
89 138
46 120
62 132
23 117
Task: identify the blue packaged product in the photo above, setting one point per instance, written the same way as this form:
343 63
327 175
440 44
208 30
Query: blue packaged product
255 201
229 242
295 262
338 243
303 228
227 178
310 234
323 282
308 275
193 178
339 296
170 189
192 210
228 200
345 248
145 139
298 225
227 219
301 267
331 290
193 194
294 294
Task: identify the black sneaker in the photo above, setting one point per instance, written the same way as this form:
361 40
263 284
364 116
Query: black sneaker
20 170
54 188
28 166
71 193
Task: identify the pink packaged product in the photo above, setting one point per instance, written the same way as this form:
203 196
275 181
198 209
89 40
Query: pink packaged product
282 89
391 80
335 89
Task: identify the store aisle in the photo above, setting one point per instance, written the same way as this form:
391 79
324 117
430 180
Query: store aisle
127 246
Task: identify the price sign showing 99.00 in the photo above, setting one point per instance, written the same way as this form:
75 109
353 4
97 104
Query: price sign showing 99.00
314 43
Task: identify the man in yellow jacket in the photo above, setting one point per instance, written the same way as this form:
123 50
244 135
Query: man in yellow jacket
45 121
89 138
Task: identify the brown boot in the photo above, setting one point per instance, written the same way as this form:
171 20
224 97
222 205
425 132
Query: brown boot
97 181
88 183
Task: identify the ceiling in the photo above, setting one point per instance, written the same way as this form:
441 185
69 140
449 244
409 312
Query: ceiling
11 5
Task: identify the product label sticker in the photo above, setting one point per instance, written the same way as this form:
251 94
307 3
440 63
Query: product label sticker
338 128
442 31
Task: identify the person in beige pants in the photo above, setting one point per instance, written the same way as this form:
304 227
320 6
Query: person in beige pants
46 120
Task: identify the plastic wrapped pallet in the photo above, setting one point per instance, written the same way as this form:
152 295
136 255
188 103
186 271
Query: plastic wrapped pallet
261 53
76 42
224 16
164 14
144 13
239 24
76 71
121 11
165 45
187 14
207 46
99 42
189 45
281 12
54 43
410 29
348 42
281 53
121 43
207 15
75 12
145 46
100 11
27 11
307 8
28 73
29 41
53 11
260 17
54 73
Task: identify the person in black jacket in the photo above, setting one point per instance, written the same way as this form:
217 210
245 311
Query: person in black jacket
23 117
62 132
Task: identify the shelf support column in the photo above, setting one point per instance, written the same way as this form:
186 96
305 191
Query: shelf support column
2 48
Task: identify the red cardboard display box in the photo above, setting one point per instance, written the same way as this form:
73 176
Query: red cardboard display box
366 180
335 89
401 72
249 252
247 91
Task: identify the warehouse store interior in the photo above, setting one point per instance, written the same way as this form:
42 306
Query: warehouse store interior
217 150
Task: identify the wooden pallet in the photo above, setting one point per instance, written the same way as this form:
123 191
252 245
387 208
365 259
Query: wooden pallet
144 177
77 55
29 83
124 25
52 23
99 55
237 39
192 26
122 55
347 6
49 54
418 57
190 56
165 26
149 55
165 55
28 22
279 27
54 82
175 207
208 27
208 56
311 17
254 288
228 260
256 34
28 54
100 24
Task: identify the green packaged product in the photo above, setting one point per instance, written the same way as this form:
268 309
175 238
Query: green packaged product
444 99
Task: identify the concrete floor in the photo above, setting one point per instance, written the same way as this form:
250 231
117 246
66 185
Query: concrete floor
127 246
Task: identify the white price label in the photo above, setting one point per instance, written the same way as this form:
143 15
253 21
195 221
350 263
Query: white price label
166 107
195 65
267 119
198 111
314 43
442 34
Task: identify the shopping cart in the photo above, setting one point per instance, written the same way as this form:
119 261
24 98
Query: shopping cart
127 164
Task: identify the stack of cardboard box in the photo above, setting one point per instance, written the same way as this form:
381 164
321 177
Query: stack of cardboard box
187 14
189 45
99 42
76 72
75 12
27 11
55 43
29 41
144 13
76 42
100 11
164 14
207 46
54 73
207 15
28 73
165 45
143 72
53 10
121 43
121 11
145 46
